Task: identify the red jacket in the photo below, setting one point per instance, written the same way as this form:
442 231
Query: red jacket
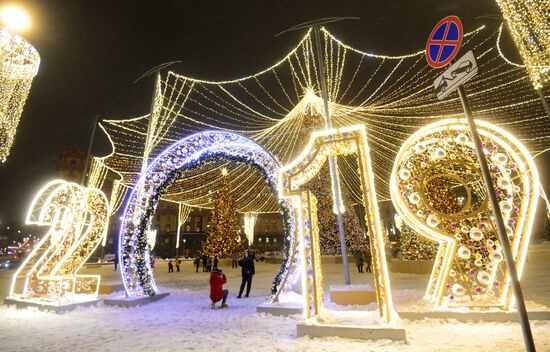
216 283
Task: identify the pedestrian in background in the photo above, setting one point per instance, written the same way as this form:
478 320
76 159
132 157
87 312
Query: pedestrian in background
170 266
197 262
358 260
368 260
248 270
116 260
216 262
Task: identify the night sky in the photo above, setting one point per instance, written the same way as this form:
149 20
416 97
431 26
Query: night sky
92 51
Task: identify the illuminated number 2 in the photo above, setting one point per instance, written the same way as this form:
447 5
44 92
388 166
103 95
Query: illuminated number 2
77 218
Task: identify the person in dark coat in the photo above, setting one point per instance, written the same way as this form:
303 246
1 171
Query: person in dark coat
217 293
216 263
197 263
358 260
116 260
178 263
170 267
208 264
204 258
234 263
248 270
368 259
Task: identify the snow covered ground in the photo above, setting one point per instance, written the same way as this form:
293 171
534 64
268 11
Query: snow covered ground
184 321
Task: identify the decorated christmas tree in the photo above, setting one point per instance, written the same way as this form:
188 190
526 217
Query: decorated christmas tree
321 187
223 232
329 237
415 247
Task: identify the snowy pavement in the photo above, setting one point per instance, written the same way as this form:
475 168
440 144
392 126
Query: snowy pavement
184 321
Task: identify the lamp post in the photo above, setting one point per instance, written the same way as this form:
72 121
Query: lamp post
333 166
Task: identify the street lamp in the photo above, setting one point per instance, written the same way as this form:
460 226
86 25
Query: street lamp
15 18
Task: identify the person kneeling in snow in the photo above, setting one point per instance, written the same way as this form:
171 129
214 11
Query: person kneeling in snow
217 293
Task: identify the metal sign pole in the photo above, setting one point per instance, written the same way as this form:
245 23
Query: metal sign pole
90 144
332 160
501 230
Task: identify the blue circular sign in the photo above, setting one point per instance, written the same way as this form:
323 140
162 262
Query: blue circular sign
444 41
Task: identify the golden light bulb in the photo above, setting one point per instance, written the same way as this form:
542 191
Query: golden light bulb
15 18
224 172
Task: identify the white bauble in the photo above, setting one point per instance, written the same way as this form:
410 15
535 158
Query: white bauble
495 256
439 154
461 138
404 174
476 234
484 278
458 290
432 220
419 148
414 198
500 158
503 182
464 253
506 206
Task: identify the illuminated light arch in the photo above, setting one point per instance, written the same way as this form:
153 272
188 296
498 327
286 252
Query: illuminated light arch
78 219
321 146
136 272
437 188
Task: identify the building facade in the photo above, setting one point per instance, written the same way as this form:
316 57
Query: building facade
70 165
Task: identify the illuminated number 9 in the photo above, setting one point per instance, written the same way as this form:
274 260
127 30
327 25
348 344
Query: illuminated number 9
436 186
77 218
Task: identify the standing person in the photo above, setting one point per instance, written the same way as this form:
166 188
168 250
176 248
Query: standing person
116 260
178 263
197 262
152 262
170 266
358 260
216 262
234 263
248 270
204 259
208 264
368 259
217 293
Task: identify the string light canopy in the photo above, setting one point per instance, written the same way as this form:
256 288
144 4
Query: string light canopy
19 62
391 95
529 24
